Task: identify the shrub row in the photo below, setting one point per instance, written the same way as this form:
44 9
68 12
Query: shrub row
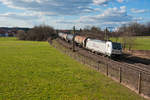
38 33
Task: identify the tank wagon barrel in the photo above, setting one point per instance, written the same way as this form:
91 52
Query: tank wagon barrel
80 40
63 35
60 34
69 37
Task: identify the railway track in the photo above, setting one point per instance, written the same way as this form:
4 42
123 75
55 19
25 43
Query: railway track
124 62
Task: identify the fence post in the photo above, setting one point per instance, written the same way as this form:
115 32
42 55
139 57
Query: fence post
98 65
75 56
73 39
139 83
120 74
107 69
84 60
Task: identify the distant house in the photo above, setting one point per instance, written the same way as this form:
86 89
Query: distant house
3 33
11 32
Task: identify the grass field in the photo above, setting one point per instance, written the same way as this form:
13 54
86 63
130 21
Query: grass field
141 42
36 71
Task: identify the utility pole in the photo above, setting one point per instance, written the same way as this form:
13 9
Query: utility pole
73 39
106 38
107 30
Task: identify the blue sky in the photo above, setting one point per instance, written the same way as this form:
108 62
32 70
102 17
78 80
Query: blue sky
64 14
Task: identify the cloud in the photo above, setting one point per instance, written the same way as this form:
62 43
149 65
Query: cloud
27 19
56 7
105 2
21 16
138 19
73 11
111 17
120 1
8 22
101 2
133 10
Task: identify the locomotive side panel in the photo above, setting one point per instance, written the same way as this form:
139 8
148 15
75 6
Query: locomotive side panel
96 45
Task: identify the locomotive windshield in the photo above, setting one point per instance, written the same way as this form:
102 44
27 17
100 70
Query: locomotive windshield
116 46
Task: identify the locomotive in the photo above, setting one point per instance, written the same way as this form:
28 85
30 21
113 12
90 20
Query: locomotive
107 48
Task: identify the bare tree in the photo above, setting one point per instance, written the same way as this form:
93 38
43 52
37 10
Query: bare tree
136 28
116 35
128 40
21 35
38 33
93 32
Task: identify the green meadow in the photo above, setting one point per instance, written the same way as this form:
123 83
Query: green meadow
32 70
140 42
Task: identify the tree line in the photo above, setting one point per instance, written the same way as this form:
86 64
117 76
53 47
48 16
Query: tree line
126 32
37 33
133 29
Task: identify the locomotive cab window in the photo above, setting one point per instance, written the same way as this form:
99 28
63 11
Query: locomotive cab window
116 46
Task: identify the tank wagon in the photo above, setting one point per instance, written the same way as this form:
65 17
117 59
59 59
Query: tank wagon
80 40
62 36
69 37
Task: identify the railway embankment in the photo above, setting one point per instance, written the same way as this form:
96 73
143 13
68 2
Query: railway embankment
136 77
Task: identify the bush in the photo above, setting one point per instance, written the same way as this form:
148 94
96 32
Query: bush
21 35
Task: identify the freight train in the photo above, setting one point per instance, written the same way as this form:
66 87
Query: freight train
107 48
